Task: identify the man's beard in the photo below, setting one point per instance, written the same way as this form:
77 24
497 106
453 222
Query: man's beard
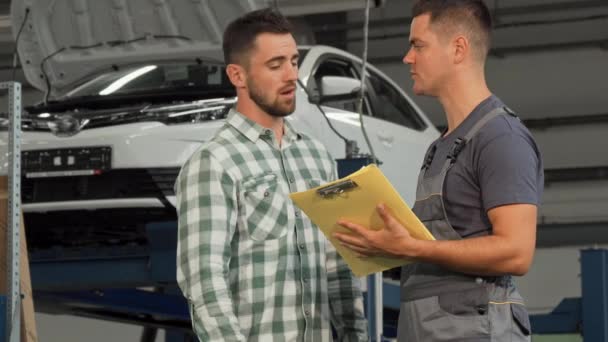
273 109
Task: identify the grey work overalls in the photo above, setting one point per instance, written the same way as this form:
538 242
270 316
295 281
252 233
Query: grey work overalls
441 305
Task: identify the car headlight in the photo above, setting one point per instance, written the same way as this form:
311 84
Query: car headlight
66 125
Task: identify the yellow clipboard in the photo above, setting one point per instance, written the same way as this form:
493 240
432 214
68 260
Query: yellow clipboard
355 198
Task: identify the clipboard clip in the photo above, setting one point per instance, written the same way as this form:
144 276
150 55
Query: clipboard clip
336 189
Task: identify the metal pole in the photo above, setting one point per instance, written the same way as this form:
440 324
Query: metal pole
375 305
13 313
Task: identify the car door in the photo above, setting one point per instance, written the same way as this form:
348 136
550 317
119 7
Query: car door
399 131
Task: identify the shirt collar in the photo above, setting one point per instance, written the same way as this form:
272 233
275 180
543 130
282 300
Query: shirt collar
253 131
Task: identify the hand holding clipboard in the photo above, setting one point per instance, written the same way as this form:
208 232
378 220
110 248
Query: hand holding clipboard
355 198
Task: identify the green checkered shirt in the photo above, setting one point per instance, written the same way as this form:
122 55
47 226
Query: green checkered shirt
253 266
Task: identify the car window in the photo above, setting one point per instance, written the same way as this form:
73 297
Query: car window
339 67
335 67
390 105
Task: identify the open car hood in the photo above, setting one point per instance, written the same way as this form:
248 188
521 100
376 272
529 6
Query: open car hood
64 41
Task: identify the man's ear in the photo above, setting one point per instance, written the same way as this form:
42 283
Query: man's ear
461 49
236 74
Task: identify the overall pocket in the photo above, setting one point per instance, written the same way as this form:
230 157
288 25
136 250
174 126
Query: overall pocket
457 316
473 302
521 318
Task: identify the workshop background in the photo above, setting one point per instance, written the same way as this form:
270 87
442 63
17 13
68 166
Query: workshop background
549 63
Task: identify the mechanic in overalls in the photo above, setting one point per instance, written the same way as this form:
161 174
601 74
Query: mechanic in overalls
478 192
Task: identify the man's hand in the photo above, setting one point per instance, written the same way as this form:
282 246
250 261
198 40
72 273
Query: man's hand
392 241
508 250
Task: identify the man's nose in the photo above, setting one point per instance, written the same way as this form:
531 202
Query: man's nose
409 57
291 74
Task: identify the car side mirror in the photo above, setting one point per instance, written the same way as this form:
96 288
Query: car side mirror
337 88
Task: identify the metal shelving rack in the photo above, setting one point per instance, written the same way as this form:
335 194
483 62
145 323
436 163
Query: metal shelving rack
12 312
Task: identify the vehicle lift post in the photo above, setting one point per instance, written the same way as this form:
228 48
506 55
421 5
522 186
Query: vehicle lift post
10 305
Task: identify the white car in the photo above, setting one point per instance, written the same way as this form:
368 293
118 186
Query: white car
130 102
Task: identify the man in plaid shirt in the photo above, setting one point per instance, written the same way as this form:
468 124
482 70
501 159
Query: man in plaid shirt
252 266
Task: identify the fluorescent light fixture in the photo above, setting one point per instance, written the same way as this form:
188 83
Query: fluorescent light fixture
119 83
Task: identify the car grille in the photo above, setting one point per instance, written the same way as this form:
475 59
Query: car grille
113 184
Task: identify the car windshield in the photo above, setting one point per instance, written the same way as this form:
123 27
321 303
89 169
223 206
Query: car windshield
137 79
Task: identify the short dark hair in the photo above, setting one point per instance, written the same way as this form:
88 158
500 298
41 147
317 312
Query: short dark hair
240 35
472 15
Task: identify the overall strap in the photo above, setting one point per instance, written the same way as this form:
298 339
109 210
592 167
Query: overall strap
461 142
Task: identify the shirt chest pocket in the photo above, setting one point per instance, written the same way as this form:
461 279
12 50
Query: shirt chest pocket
264 208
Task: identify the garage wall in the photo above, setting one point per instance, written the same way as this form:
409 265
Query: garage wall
543 85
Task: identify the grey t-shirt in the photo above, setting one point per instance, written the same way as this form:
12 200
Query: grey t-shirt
498 166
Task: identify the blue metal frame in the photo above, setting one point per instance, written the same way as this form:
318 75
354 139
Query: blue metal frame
391 294
162 237
348 166
93 273
587 315
594 269
151 266
162 306
2 317
564 319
